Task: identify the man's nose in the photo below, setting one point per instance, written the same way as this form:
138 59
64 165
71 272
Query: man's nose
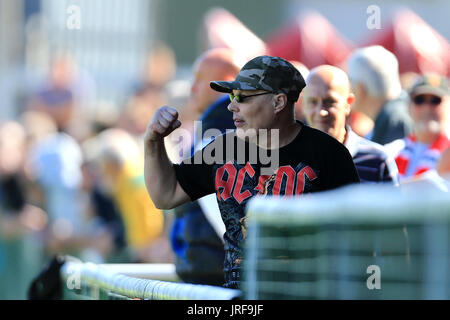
323 112
232 106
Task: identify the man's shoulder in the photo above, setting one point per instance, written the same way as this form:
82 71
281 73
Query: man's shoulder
393 122
396 111
366 146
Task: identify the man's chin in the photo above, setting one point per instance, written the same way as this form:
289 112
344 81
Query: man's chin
246 134
323 127
431 126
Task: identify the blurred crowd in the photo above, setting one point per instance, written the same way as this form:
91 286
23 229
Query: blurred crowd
80 188
74 179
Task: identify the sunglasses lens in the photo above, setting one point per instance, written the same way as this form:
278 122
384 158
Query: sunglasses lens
432 100
436 100
238 98
419 99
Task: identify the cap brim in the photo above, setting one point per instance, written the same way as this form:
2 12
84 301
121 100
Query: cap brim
428 90
223 86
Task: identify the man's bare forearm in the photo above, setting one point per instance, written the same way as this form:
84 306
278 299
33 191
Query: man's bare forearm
160 178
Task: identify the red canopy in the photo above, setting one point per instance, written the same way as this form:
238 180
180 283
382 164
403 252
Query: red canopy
310 39
224 30
418 47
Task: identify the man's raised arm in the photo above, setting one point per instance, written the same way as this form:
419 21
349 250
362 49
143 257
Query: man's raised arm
160 179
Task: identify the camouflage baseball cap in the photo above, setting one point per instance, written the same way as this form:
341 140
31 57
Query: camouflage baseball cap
431 84
268 73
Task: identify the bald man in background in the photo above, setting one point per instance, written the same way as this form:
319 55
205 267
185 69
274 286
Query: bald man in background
327 104
215 63
197 233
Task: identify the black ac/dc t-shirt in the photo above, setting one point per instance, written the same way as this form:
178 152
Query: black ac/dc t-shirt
312 162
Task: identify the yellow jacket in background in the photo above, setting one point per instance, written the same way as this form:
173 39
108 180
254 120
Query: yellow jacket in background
143 221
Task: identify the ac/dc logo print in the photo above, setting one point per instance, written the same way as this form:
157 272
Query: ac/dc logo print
285 181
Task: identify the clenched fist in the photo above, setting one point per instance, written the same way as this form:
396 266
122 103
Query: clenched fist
163 123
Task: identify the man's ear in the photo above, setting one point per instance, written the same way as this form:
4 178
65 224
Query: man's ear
279 102
350 100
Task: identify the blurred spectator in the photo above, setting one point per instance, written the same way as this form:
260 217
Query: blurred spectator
161 66
101 202
429 109
215 62
56 98
21 221
122 173
374 77
17 215
304 71
198 228
150 91
327 105
221 63
138 107
105 116
54 164
55 161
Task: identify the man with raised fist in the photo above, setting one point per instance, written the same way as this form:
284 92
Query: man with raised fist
269 153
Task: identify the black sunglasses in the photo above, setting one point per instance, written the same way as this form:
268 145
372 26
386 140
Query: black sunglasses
240 98
421 99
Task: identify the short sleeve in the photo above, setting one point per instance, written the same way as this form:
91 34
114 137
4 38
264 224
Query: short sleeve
195 176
